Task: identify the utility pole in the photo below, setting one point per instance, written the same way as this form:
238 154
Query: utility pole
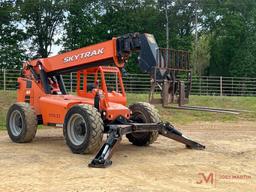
196 33
196 21
167 25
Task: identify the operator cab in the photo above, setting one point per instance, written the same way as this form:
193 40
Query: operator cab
104 80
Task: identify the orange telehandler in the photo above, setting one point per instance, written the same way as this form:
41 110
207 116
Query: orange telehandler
97 108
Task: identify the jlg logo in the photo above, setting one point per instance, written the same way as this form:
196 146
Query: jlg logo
206 178
83 55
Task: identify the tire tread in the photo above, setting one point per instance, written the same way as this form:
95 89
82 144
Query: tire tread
154 117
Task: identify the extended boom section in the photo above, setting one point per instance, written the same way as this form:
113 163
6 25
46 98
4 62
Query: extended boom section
102 159
112 52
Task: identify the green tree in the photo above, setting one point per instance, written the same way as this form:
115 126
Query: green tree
228 23
42 21
244 62
225 44
200 57
82 24
11 50
181 16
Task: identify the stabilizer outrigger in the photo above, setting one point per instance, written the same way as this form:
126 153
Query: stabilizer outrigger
116 131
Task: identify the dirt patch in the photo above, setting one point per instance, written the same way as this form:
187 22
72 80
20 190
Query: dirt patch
48 165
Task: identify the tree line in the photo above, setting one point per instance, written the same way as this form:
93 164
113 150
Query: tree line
220 34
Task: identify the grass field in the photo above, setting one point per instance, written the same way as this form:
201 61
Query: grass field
175 116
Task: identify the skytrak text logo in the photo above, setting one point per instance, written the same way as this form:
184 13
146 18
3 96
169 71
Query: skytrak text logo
84 55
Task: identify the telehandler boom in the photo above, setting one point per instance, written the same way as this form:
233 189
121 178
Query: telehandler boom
98 108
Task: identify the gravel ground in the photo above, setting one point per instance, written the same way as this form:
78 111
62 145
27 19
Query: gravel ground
46 164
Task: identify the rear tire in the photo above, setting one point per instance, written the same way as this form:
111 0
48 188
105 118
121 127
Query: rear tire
143 113
83 129
21 123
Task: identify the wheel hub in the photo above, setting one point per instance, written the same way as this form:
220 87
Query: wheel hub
16 123
77 129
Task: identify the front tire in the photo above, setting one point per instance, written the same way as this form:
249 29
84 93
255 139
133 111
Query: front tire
83 129
21 123
143 113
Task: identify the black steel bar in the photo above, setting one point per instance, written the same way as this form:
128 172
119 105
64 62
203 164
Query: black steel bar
208 109
102 159
116 131
61 84
36 77
44 79
169 131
